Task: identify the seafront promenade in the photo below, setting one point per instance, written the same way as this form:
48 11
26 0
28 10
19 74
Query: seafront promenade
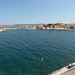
70 72
64 71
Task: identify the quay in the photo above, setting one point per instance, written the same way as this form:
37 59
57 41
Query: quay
70 72
64 71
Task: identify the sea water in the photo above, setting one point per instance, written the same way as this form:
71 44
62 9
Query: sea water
21 50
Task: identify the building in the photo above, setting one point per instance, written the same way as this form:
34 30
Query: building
39 27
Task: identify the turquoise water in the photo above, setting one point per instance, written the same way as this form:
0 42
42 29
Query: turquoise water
20 51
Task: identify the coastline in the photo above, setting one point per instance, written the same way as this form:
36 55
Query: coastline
54 29
2 29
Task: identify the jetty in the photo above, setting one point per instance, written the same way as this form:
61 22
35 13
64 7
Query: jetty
64 71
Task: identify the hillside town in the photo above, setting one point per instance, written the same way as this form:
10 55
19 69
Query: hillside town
51 26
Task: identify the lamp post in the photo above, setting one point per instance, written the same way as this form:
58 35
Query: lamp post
41 64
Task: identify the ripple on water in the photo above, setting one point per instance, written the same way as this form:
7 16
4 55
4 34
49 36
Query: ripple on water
20 51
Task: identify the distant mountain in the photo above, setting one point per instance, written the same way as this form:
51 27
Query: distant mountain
20 25
73 24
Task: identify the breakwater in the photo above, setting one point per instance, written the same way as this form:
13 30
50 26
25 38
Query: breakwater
2 29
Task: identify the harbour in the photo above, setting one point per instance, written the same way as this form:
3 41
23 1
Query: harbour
37 37
21 51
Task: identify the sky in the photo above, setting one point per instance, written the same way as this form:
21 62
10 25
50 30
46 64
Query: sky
37 11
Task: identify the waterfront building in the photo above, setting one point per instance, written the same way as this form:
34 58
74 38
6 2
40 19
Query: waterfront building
72 27
30 27
39 27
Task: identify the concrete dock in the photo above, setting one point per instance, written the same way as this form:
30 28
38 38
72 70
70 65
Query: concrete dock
70 71
64 71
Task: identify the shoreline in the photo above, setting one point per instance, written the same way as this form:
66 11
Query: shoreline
54 29
2 29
